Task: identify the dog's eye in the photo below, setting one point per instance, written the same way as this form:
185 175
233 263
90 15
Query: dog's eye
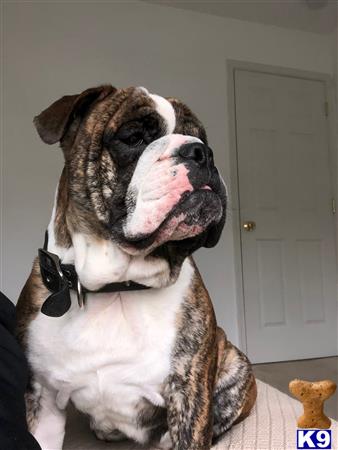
134 140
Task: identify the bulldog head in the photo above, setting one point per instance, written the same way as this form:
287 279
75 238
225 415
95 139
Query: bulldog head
138 170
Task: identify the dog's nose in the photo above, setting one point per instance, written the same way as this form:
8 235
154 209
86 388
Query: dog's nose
195 151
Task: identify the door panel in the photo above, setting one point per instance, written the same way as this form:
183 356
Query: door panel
289 261
271 281
311 279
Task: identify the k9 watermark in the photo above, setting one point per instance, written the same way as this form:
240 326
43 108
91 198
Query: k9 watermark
314 439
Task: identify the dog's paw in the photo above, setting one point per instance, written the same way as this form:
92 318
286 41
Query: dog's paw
111 436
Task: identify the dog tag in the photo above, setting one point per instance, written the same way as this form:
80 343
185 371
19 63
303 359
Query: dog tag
59 301
57 304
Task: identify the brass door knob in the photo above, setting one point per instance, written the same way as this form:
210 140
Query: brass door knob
249 225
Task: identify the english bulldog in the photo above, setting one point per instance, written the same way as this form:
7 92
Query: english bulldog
114 316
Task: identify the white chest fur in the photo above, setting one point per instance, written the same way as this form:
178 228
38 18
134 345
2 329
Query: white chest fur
111 354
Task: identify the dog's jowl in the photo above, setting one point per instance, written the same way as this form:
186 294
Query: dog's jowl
114 316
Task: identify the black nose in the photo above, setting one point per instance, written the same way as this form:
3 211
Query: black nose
196 152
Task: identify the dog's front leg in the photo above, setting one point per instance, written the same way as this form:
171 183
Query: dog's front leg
189 412
50 427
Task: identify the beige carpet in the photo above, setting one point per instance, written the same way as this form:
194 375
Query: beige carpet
271 425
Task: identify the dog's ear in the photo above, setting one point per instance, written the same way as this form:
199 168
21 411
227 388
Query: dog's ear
53 122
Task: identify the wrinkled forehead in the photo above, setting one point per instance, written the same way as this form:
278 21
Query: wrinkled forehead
136 103
163 108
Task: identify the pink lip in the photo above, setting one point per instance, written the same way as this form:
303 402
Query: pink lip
208 188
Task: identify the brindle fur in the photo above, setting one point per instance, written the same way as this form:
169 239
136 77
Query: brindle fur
30 301
28 307
211 385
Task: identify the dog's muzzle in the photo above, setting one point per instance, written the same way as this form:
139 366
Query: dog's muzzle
171 195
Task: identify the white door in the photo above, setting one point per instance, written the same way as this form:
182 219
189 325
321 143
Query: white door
288 259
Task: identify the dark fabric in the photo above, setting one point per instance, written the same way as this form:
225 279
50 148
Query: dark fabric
13 381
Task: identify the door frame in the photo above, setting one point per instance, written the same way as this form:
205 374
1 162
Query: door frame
330 89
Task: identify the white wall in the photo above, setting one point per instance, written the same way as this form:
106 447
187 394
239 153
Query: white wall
335 59
55 48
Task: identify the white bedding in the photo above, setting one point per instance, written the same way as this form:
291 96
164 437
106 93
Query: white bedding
271 425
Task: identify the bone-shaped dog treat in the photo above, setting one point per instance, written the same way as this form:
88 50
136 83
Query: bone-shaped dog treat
312 395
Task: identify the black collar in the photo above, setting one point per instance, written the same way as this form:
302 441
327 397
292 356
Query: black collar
60 278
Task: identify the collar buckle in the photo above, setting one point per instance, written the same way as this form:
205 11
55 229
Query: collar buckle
51 271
